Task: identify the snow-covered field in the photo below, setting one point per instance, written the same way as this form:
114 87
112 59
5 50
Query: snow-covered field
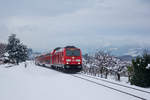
38 83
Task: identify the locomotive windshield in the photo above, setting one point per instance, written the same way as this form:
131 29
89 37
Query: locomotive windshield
72 52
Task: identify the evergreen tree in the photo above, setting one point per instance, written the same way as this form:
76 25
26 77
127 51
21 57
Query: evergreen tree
2 49
16 50
141 72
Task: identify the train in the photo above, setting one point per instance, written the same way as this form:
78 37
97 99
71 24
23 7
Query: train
66 59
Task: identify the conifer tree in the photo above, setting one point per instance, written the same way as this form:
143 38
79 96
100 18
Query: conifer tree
141 71
16 50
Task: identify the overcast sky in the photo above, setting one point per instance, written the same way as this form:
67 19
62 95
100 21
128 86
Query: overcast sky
46 24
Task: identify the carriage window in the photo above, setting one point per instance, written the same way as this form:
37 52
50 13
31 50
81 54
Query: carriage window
72 52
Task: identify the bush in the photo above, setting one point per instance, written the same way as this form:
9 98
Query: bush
141 72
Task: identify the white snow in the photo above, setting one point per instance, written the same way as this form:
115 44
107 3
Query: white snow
137 93
39 83
148 66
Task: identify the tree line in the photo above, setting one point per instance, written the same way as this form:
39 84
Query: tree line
102 64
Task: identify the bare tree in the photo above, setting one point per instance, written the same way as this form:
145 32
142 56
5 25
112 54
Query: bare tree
104 60
103 63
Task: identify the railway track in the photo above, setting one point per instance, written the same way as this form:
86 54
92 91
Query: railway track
117 84
97 82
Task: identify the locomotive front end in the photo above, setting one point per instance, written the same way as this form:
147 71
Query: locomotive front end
73 59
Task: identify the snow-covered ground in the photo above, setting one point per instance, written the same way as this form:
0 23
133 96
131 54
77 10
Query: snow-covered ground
39 83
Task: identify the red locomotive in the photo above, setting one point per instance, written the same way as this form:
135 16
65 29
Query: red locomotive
68 58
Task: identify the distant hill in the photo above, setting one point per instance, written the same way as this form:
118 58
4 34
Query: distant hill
126 58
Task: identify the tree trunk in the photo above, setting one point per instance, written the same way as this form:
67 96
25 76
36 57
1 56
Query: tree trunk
118 76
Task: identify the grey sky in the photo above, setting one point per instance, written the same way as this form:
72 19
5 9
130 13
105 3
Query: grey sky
45 24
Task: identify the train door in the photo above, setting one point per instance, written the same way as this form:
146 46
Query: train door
51 59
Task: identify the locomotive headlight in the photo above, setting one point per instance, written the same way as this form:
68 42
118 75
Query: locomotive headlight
78 60
68 60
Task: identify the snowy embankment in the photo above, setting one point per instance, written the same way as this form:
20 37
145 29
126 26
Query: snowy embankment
38 83
122 87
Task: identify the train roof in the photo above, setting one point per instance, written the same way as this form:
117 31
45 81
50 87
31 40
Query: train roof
70 47
59 48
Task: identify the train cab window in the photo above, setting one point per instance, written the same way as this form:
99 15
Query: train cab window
72 52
